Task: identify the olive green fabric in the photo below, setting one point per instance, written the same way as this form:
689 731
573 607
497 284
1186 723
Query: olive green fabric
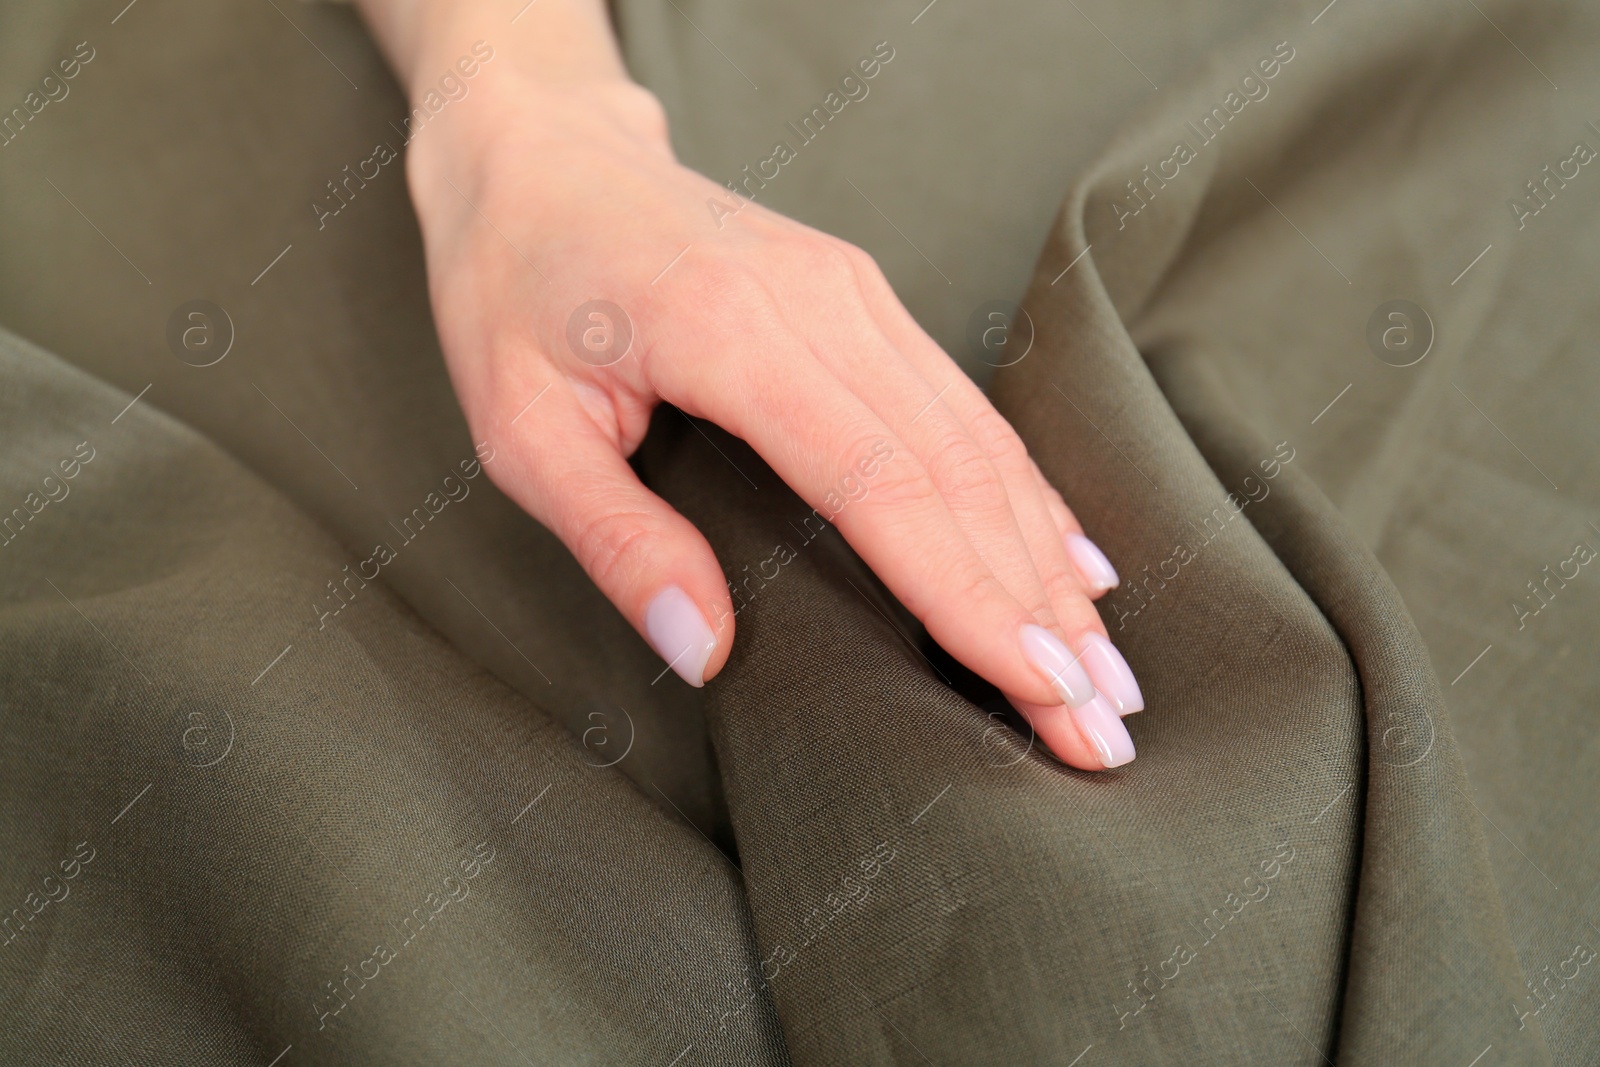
256 805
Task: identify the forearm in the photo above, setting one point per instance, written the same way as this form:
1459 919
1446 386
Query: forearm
559 42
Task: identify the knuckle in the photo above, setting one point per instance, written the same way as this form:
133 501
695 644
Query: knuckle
726 297
724 285
864 269
901 488
967 591
609 542
977 587
865 450
642 109
1061 588
827 259
965 475
996 437
859 257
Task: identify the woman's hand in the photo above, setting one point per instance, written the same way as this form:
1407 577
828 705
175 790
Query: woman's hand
539 197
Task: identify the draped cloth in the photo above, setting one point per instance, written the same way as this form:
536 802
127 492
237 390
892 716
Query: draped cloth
317 748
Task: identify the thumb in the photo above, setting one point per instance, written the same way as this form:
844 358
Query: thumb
647 559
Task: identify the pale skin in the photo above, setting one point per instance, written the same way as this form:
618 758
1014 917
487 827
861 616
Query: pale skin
553 184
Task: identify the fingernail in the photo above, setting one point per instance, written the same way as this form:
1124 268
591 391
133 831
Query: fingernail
679 633
1051 659
1097 571
1103 727
1110 674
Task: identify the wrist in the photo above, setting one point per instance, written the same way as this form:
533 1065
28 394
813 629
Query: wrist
511 108
569 41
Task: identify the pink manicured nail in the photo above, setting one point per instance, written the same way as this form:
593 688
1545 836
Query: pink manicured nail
1051 659
1110 674
1097 571
1102 726
679 633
